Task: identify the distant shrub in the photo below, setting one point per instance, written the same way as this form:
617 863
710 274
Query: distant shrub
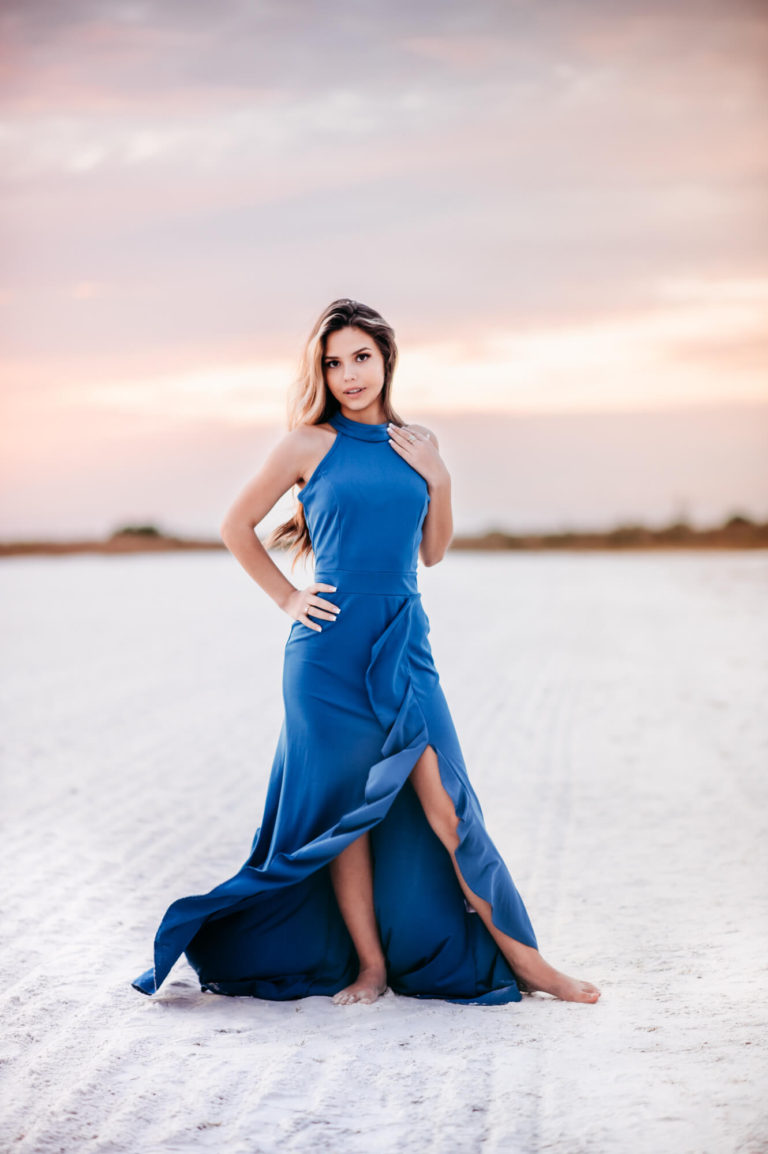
137 531
677 532
629 535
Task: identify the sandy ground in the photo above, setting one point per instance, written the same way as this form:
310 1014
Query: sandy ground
612 713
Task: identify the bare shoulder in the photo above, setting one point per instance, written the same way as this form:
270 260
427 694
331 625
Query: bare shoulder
304 439
305 446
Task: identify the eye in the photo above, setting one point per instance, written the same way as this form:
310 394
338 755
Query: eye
330 364
365 356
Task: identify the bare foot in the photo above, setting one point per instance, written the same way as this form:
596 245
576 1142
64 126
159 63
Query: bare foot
537 974
371 984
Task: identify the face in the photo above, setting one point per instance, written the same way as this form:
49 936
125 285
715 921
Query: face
354 372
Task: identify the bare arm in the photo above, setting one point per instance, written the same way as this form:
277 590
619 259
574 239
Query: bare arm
282 468
437 530
424 456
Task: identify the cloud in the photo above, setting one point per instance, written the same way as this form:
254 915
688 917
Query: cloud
220 171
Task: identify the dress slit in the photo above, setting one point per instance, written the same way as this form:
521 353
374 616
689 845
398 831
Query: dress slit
362 703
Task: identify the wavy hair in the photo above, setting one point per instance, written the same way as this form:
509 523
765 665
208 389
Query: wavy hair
310 401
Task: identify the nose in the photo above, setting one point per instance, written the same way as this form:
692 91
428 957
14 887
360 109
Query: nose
349 374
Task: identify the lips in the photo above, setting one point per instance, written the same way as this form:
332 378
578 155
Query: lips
352 392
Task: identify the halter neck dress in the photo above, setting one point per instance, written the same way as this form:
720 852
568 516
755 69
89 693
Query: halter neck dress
362 701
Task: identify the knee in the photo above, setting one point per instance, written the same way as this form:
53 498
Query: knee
435 801
445 824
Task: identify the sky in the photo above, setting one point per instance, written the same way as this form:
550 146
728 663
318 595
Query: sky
560 207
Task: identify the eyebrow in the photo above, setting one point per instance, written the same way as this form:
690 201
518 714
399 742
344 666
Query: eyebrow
364 349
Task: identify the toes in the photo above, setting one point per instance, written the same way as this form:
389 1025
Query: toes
367 995
345 997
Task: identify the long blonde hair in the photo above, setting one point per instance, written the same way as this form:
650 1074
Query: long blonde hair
310 401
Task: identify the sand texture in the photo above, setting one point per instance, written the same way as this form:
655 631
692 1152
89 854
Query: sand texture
612 714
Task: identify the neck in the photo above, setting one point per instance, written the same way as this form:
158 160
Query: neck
363 416
362 430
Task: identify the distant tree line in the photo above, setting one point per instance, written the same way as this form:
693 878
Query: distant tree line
737 532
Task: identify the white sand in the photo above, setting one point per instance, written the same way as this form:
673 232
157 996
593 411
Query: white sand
612 712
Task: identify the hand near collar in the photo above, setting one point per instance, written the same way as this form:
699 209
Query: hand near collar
418 446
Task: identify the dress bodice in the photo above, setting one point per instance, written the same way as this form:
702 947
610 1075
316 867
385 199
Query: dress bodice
363 702
364 504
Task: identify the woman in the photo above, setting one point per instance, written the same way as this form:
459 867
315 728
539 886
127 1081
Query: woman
372 865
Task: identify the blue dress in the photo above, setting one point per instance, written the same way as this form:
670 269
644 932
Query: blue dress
362 702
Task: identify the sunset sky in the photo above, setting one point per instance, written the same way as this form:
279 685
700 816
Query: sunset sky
561 207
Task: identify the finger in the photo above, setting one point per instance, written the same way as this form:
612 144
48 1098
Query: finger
328 605
314 599
319 585
325 616
318 612
306 619
408 438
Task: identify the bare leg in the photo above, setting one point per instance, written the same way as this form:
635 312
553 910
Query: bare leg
525 961
352 877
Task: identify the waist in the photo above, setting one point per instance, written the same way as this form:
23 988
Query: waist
370 580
